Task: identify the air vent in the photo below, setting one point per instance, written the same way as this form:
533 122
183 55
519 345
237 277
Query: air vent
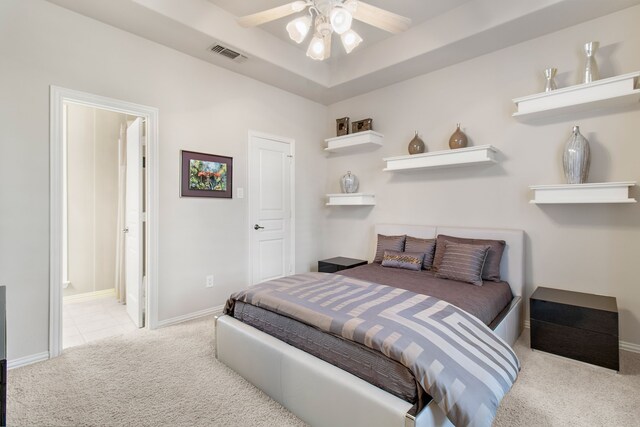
228 53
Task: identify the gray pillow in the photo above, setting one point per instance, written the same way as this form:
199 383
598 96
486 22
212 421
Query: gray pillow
426 246
406 260
491 269
463 262
388 243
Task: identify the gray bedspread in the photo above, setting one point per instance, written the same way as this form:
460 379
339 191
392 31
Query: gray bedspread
457 359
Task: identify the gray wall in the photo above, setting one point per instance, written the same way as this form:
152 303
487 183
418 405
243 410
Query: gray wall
202 108
587 248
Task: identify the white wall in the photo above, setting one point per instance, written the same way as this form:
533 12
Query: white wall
92 197
588 248
202 108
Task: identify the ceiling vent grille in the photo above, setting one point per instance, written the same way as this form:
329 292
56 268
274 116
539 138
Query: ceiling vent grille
228 53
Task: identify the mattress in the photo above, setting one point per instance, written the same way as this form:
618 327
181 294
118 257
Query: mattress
485 302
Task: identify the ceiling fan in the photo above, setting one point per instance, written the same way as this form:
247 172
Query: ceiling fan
326 17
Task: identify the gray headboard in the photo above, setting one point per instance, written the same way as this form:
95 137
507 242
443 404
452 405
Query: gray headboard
512 265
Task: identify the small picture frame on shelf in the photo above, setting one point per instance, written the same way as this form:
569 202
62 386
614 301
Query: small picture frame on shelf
342 126
362 125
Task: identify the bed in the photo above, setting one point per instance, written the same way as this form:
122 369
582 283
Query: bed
285 372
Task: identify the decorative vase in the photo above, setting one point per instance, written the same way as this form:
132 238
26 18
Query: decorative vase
591 67
458 139
349 183
549 75
416 146
577 158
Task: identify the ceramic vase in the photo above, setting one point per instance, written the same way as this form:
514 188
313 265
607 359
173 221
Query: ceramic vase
458 139
349 183
577 158
591 67
416 146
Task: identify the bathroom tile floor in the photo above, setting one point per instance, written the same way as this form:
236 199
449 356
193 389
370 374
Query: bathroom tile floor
86 321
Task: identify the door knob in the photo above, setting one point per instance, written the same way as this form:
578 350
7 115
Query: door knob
257 227
125 230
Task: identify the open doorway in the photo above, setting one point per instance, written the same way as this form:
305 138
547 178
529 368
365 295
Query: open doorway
103 218
102 258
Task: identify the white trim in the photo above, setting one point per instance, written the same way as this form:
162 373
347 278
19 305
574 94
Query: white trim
628 346
59 96
624 345
27 360
88 296
292 222
191 316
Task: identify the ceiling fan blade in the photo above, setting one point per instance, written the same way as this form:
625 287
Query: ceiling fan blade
381 18
269 15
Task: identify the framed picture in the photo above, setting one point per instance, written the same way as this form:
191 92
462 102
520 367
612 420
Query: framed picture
206 175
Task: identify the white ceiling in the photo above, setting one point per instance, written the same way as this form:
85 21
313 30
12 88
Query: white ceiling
443 32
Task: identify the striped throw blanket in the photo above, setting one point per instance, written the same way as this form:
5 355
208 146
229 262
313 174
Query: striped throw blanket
457 359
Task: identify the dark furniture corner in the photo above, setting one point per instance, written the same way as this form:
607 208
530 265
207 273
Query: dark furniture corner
3 356
576 325
333 265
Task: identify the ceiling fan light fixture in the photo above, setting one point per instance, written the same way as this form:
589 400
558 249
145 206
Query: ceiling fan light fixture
341 20
299 28
350 40
351 6
316 48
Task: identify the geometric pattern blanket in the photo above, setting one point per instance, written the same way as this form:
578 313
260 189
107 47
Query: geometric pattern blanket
463 365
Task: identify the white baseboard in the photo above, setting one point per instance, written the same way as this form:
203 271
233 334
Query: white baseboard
191 316
627 346
87 296
27 360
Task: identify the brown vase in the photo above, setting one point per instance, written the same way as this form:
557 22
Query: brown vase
416 146
458 139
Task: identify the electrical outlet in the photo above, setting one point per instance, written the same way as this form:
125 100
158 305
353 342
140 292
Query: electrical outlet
209 281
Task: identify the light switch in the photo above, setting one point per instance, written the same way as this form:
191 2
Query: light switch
240 193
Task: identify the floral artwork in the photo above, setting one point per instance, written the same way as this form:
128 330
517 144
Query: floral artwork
206 175
210 176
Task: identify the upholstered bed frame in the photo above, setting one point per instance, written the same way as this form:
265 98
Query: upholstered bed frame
324 395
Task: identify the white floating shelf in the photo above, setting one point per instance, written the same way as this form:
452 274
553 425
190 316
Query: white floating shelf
605 192
605 93
442 159
351 199
360 141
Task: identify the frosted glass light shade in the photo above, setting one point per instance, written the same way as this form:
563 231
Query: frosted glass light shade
299 28
351 40
316 48
340 20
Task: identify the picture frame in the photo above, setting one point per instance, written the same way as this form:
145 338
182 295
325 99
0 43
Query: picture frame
362 125
206 175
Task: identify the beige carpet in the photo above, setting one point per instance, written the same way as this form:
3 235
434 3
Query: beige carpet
170 377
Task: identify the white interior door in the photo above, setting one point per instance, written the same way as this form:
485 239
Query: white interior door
270 201
133 224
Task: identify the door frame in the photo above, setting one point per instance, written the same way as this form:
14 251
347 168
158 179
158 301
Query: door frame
292 224
58 97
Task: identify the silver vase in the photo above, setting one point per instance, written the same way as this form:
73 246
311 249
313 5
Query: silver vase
577 158
349 183
591 73
550 83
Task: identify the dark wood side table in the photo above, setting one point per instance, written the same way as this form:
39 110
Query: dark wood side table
576 325
332 265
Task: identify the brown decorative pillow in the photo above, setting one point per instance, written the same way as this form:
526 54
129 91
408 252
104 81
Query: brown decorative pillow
407 260
426 246
463 262
388 243
491 270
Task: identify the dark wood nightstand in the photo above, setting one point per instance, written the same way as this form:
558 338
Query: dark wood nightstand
332 265
576 325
